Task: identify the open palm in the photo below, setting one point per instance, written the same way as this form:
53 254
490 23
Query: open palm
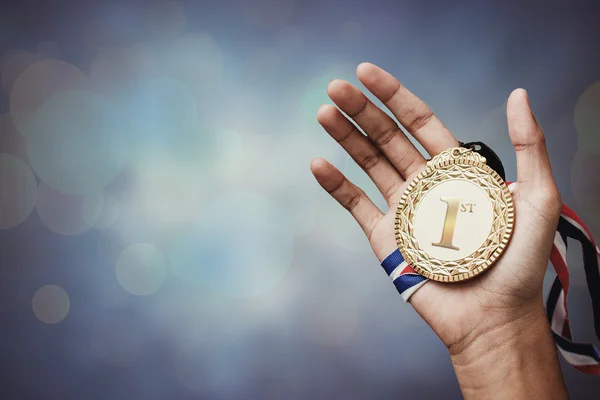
512 288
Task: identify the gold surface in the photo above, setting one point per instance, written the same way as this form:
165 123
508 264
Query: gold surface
455 218
453 204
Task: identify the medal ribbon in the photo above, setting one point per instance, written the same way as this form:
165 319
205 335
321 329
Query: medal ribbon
583 356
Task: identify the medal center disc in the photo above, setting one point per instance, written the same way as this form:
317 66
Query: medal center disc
453 220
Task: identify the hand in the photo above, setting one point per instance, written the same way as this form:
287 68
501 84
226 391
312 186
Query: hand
509 294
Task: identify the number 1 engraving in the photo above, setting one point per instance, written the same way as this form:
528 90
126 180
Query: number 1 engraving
449 223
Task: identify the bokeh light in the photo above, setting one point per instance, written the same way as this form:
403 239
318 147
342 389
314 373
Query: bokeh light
117 69
100 210
243 113
38 83
51 304
276 166
303 217
229 145
13 64
11 141
141 269
62 213
18 193
171 149
137 224
197 61
163 122
76 143
587 119
233 159
241 245
169 197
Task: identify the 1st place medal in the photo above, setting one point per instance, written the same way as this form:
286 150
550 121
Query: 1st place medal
455 218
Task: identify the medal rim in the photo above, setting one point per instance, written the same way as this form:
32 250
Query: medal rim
441 161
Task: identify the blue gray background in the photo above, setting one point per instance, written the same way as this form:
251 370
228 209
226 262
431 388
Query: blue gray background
161 235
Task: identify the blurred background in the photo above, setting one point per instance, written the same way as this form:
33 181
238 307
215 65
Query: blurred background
161 236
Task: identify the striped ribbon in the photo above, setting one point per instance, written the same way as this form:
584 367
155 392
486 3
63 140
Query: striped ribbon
582 356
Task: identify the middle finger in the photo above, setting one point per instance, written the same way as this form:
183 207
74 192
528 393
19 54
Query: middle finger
379 126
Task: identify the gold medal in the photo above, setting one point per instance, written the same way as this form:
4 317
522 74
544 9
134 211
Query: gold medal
455 218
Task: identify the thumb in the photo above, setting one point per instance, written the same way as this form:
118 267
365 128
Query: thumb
533 164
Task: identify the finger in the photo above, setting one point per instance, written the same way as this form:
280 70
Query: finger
347 194
379 126
533 164
363 152
414 115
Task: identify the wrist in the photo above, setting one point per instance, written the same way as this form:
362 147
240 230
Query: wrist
501 328
510 359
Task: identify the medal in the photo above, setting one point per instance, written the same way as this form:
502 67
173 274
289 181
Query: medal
455 218
440 220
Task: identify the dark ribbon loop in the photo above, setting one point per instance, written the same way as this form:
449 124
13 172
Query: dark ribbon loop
492 158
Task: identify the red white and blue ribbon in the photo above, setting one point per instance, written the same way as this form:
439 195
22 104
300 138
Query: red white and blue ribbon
405 278
583 356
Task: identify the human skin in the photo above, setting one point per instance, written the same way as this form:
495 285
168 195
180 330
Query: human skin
494 325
